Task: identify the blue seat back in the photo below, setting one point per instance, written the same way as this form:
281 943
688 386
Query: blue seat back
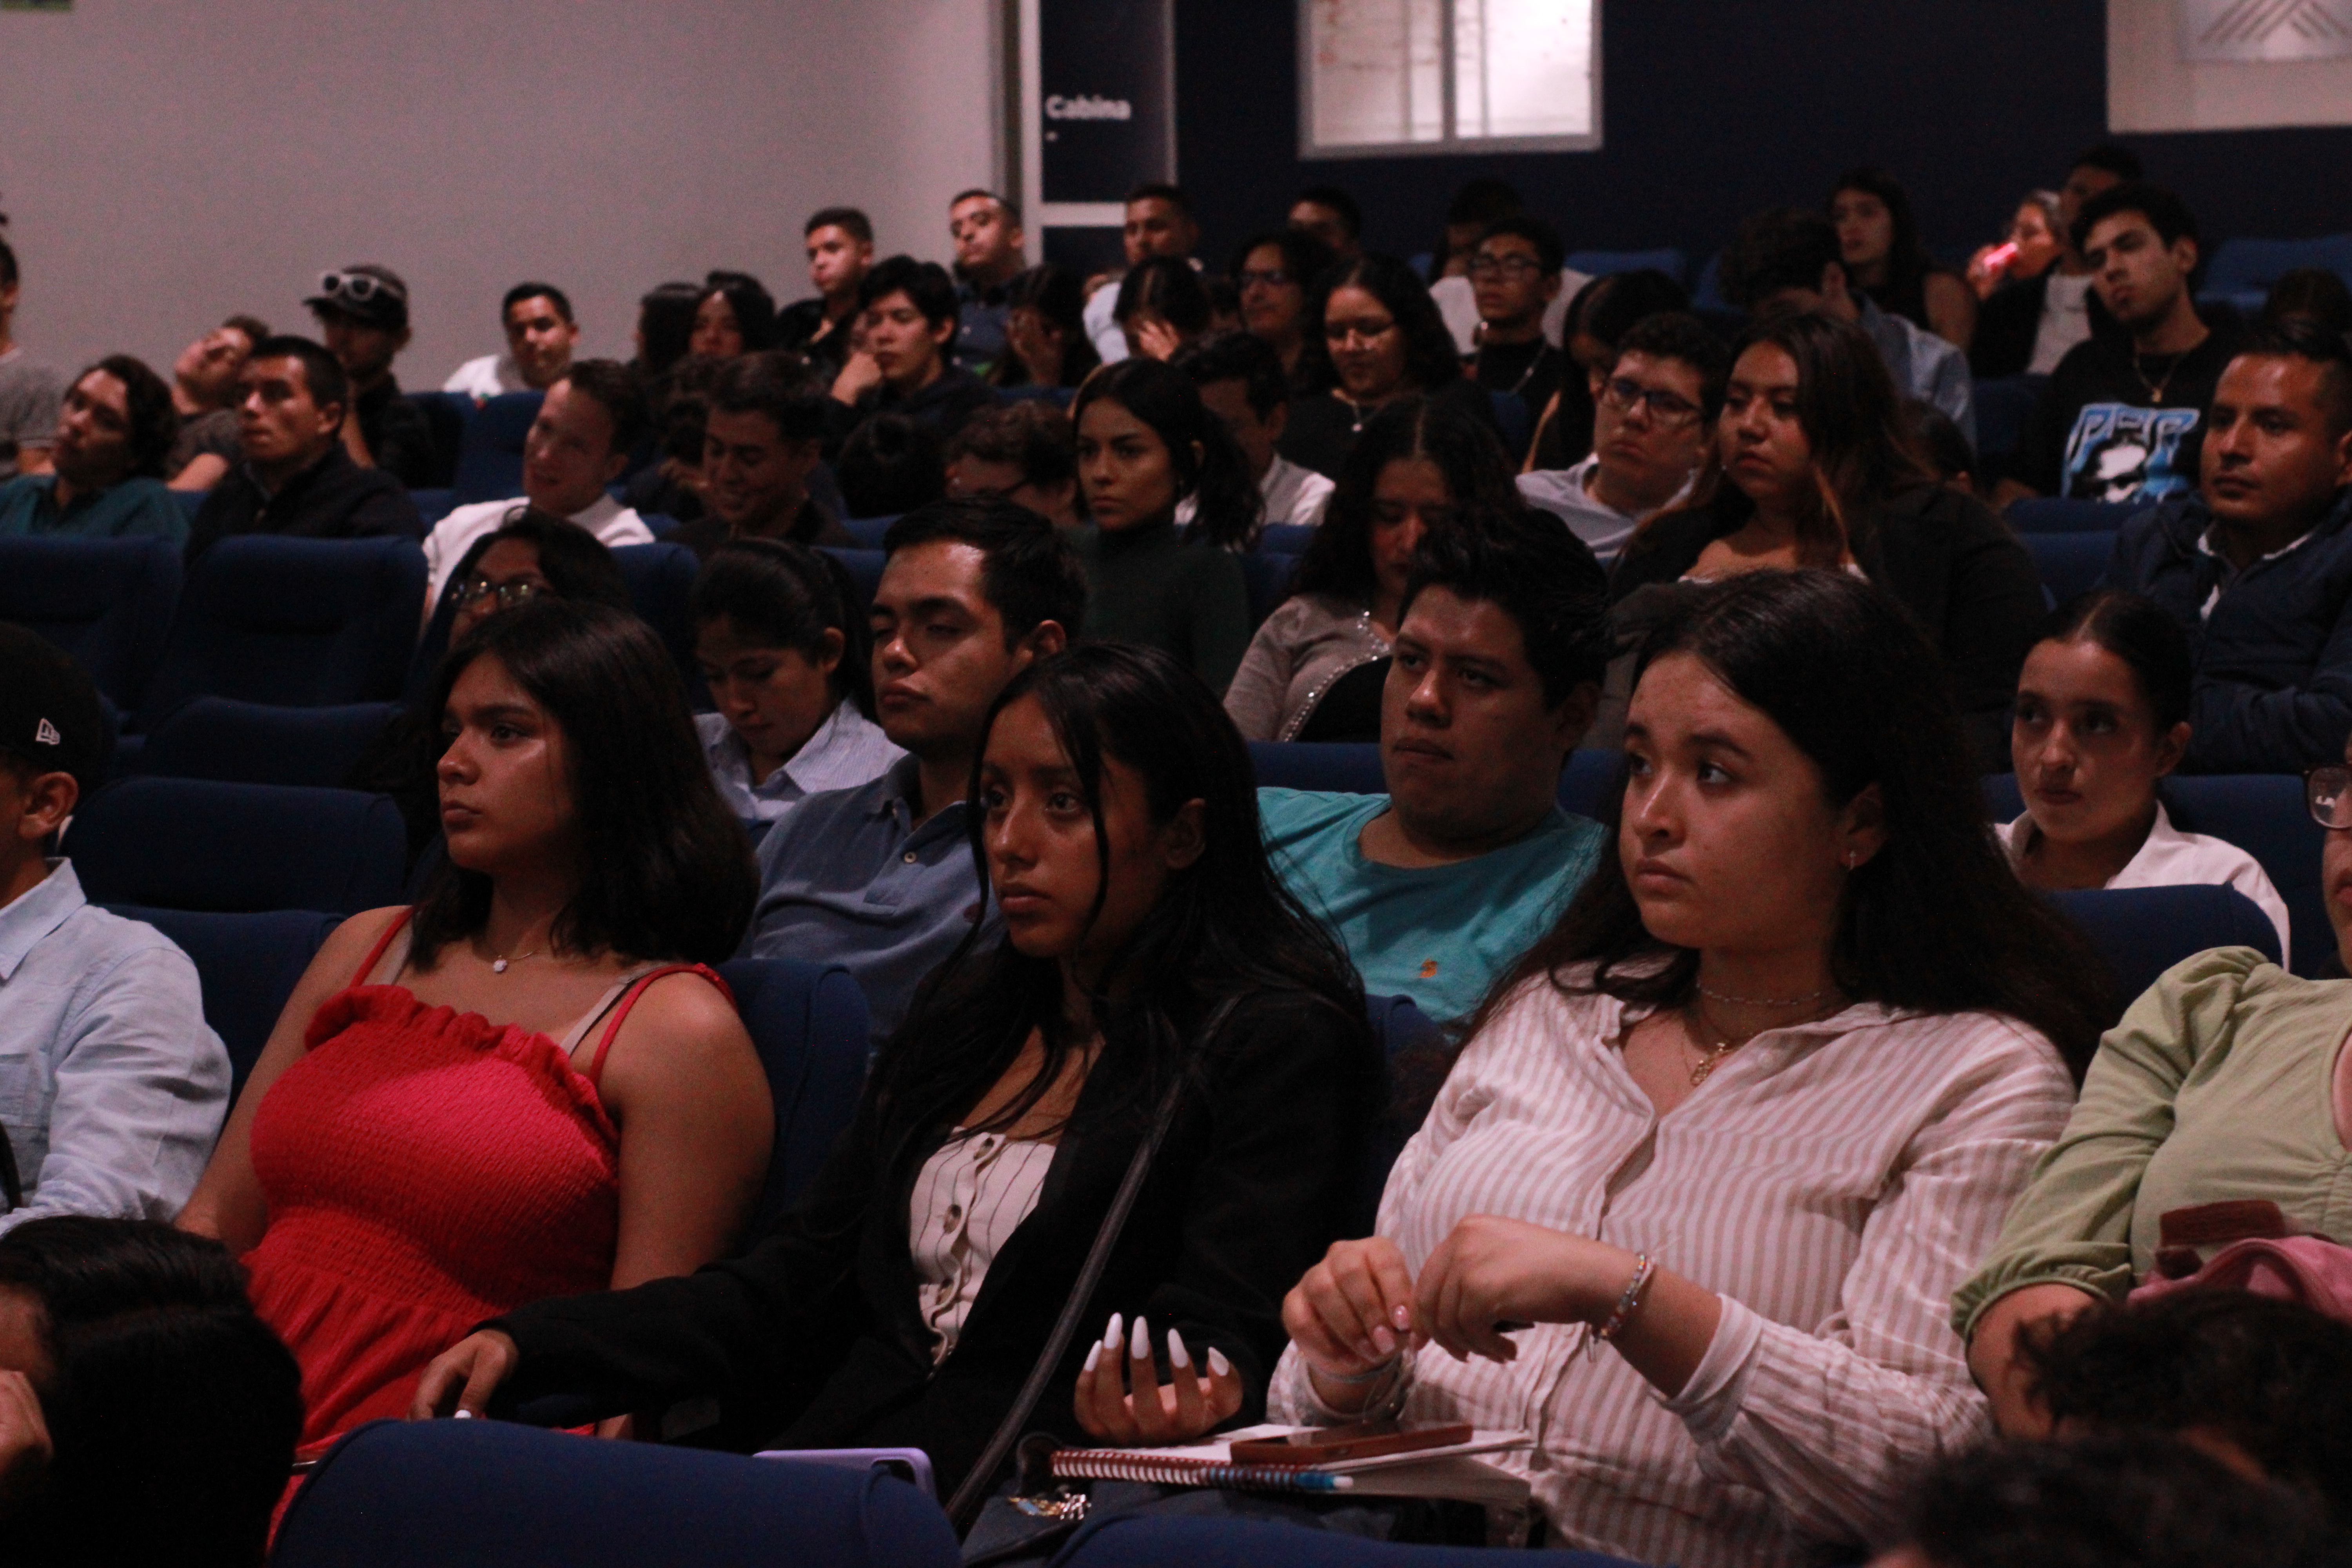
1353 767
1585 783
1400 1026
1267 577
2070 564
105 601
489 457
251 742
195 844
1515 419
808 1022
1707 295
432 506
1168 1540
302 623
2055 515
1059 397
247 965
2003 406
2243 271
493 1494
2143 931
1673 263
1286 537
868 531
864 571
661 586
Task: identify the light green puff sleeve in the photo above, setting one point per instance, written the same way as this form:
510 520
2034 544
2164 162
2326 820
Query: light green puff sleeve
2073 1225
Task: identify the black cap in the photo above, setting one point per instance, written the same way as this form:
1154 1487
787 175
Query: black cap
370 295
49 711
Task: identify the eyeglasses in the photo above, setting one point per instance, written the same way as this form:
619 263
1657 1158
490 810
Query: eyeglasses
518 591
1670 410
2328 793
359 288
1515 265
1370 331
1272 278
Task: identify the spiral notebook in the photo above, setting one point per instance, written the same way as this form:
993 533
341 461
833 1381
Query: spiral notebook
1453 1472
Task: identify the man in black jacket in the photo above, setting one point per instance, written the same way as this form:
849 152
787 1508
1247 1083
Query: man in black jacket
293 476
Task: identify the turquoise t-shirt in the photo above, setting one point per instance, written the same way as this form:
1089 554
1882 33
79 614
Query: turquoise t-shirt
140 508
1439 935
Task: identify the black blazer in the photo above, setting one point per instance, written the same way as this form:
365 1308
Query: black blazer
814 1337
1968 583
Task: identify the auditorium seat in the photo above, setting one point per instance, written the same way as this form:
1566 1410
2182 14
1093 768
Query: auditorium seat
247 965
1706 296
303 622
865 571
2243 271
2070 564
2143 931
235 848
1059 397
1286 537
493 1494
1267 577
661 586
1673 263
432 506
1353 767
1166 1540
2052 515
808 1022
105 601
490 459
253 743
868 531
2003 406
1585 783
1515 419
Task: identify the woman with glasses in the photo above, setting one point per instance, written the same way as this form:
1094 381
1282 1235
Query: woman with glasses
1376 336
2227 1083
1816 468
1274 273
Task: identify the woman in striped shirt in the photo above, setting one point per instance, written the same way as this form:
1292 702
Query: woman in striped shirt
1738 1125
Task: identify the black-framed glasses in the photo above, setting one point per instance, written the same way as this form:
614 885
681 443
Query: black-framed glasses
2327 791
1670 409
517 591
1496 266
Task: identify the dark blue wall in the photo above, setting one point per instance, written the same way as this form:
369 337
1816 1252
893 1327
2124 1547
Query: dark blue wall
1714 109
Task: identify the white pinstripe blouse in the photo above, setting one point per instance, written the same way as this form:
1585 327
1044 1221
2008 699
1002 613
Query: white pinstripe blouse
969 1199
1833 1183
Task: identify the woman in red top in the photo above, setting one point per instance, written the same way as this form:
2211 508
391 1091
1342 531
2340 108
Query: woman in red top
526 1086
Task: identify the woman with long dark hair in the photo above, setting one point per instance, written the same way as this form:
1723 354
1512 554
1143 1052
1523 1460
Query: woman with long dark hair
1145 443
1373 335
1816 468
527 1085
1274 274
1153 973
1162 307
1045 330
736 315
1315 669
1735 1128
1878 241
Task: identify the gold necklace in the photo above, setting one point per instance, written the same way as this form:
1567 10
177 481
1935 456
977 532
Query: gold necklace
499 966
1711 1056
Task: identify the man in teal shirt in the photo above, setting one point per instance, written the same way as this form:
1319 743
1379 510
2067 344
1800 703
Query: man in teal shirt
1438 887
116 429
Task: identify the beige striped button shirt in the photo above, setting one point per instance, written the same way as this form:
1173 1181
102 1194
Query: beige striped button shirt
1832 1183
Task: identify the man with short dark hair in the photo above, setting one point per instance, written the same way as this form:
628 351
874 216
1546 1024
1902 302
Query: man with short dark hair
1515 277
203 391
362 314
2027 326
1025 453
1331 216
762 438
106 473
840 245
1653 424
2258 567
908 319
2123 415
542 334
880 877
293 474
1790 258
1242 383
1159 222
986 230
1437 886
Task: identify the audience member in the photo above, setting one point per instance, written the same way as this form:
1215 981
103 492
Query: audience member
591 420
840 245
1597 319
294 475
1805 947
901 366
1159 222
1275 273
673 485
880 880
2030 249
1514 276
1820 473
1026 453
1654 431
1317 669
1149 959
166 1411
2257 567
1885 259
362 316
736 315
891 465
986 230
2123 413
527 1085
1242 383
1478 204
1330 215
112 1086
788 661
106 468
665 331
1790 260
1439 885
2026 328
763 436
2313 294
1163 306
1941 444
203 394
542 334
1046 342
1374 336
1146 446
31 394
2102 709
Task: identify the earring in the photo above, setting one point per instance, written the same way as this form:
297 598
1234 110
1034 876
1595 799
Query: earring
1851 859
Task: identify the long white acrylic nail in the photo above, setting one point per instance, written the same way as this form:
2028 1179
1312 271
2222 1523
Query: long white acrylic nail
1218 1365
1112 1338
1138 1345
1178 1356
1093 1355
463 1414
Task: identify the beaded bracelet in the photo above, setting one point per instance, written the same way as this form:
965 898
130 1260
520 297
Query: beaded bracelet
1629 1301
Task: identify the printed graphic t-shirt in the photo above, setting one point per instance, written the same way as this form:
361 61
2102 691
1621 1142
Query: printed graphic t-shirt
2117 427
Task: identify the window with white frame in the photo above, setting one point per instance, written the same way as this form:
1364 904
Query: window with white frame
1447 76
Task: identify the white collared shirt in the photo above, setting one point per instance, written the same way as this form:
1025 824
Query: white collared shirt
612 524
1291 493
848 750
484 378
2171 858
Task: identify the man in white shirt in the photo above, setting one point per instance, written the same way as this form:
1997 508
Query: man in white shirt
540 336
1653 427
1159 223
580 441
1241 381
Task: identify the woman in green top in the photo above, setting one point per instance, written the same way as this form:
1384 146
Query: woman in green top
2227 1080
1146 442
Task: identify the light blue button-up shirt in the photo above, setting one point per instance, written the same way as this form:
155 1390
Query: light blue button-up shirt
848 750
112 1087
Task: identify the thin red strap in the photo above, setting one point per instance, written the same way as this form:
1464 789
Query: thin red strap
382 943
629 1000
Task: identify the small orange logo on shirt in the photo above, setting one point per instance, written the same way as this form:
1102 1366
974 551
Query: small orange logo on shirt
1429 969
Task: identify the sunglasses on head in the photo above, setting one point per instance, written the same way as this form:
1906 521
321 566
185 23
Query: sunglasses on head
359 288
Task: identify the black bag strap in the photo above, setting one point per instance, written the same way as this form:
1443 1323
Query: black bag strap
965 1505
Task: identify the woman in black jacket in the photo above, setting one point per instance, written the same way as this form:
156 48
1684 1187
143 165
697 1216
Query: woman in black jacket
1151 957
1816 468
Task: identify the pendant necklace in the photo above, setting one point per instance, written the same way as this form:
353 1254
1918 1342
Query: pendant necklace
2155 388
499 966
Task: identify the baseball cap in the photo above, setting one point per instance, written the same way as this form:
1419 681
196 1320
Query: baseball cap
49 710
370 295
